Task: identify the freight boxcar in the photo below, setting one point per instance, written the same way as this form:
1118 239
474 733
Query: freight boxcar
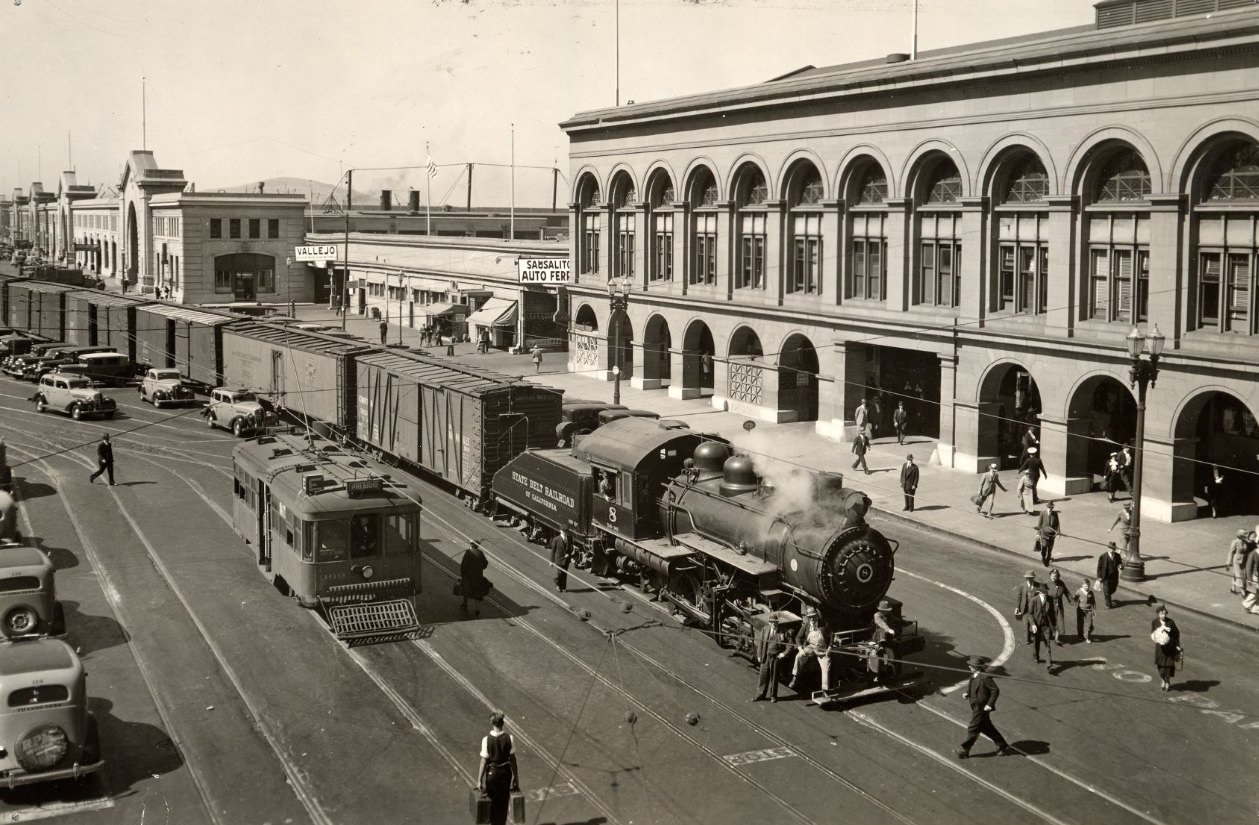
38 307
189 340
308 374
101 318
458 423
5 280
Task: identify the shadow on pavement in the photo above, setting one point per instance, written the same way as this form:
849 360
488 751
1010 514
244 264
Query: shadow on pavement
134 751
1197 685
33 489
61 558
1028 747
88 633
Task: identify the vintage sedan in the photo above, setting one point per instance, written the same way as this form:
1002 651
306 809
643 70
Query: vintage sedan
165 386
28 594
46 731
73 395
236 409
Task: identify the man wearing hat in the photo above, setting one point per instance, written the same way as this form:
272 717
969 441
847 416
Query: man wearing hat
982 693
1041 618
1047 529
769 650
909 481
812 640
883 634
1108 566
1022 610
1030 471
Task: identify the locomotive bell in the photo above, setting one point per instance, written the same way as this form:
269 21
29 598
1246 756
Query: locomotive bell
738 476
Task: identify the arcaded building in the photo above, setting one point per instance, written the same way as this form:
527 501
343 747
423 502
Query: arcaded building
973 232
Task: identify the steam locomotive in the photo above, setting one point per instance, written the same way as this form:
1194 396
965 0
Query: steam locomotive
700 529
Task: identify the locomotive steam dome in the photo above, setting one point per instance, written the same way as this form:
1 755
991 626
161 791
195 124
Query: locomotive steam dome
738 476
710 456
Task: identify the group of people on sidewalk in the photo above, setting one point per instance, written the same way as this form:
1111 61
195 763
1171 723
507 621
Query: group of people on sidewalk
1243 567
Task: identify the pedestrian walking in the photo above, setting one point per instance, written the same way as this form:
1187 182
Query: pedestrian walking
536 354
859 447
498 776
1250 577
560 557
104 460
472 581
1031 469
1040 613
770 650
1167 650
900 419
1108 566
982 693
1048 526
1213 491
861 417
909 482
1028 441
1126 465
1236 560
1085 607
1059 595
988 486
1023 602
1111 476
384 330
1123 520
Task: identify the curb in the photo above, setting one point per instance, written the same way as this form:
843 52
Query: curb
1148 597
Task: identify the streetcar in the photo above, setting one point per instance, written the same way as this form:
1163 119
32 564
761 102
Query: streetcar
333 530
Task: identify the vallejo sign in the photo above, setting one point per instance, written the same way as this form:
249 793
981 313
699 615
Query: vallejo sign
315 253
544 271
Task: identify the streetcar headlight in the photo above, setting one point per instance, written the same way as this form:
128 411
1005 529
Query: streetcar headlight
366 571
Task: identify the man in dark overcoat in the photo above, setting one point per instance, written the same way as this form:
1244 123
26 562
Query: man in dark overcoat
1108 566
909 481
1023 605
560 557
982 692
1047 529
770 650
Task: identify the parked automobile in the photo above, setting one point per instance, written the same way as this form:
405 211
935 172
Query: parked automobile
46 729
72 395
111 368
579 419
28 595
30 367
165 386
236 409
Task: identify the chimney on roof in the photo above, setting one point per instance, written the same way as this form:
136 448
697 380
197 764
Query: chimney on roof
386 200
262 185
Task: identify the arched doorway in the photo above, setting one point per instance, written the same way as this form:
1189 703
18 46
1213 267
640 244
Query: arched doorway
745 382
1103 417
797 378
698 352
657 353
133 245
621 344
1225 434
1009 403
584 343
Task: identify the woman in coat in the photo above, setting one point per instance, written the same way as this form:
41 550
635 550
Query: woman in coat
472 582
1166 638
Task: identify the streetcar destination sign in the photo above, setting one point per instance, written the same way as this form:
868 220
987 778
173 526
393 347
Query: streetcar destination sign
544 271
315 253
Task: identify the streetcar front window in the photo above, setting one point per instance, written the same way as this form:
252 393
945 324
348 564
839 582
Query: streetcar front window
364 535
400 534
333 540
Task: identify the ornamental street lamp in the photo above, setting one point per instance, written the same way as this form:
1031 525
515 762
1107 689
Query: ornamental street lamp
1144 374
618 294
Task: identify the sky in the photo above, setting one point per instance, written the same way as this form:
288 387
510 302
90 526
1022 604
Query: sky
234 91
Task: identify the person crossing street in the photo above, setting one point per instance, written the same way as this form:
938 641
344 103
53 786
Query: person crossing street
104 460
982 693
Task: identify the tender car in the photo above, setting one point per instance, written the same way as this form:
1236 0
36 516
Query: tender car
165 386
579 419
46 731
236 409
73 395
28 594
111 368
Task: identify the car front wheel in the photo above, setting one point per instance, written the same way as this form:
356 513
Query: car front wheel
238 428
76 412
41 405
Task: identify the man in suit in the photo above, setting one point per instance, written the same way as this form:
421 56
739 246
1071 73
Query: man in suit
1022 608
900 418
982 692
1047 528
1030 471
1040 612
769 651
560 558
909 481
812 640
1108 566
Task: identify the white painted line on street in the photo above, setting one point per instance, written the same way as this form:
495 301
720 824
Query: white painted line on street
763 755
1007 649
51 809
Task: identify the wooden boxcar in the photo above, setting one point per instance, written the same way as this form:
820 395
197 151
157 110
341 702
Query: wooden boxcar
38 307
459 423
306 373
190 340
5 280
98 318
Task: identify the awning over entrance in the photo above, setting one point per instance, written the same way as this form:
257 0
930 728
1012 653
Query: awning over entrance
438 310
497 312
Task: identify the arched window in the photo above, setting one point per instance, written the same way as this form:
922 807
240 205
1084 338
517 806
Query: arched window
703 198
939 280
624 197
1228 255
1022 225
751 224
660 202
806 231
1118 229
590 226
867 221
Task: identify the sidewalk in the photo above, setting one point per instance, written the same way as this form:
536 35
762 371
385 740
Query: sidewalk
1184 562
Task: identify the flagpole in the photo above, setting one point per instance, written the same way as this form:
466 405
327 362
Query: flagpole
428 194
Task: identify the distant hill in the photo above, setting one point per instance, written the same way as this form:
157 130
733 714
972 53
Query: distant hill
317 191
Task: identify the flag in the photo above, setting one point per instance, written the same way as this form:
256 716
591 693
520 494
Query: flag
432 168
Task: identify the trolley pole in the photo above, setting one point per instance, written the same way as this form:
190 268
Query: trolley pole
345 273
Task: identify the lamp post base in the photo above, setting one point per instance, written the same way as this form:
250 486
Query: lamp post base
1132 571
